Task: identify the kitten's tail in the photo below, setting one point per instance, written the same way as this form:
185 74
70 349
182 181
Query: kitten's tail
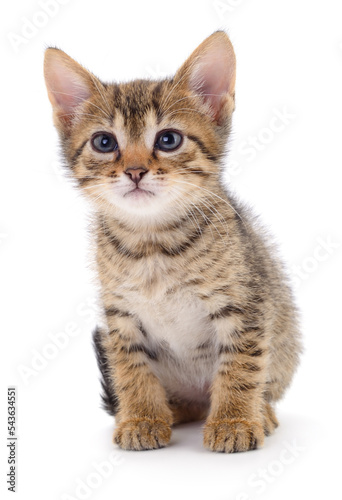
110 400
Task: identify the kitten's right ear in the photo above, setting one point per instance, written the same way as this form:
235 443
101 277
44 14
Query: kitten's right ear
210 73
68 85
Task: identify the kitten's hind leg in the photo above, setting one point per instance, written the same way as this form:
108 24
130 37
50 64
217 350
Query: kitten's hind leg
270 419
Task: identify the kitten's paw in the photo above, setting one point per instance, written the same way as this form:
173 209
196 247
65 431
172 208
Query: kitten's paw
232 435
142 434
270 420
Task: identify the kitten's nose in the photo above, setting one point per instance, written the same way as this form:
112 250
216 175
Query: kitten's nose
136 173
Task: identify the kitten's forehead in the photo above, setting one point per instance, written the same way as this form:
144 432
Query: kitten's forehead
137 105
141 132
138 112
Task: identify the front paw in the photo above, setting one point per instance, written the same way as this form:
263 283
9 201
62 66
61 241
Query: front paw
232 435
142 434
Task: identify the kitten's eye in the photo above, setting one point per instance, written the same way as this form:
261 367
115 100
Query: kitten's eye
104 143
169 140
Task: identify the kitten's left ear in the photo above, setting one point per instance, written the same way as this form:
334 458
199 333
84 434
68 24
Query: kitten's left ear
210 71
68 85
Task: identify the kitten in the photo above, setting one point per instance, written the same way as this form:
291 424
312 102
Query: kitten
199 321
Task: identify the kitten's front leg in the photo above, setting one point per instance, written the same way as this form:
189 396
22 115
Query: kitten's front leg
144 418
236 421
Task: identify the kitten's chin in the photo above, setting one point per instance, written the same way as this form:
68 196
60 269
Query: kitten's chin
138 194
143 206
137 202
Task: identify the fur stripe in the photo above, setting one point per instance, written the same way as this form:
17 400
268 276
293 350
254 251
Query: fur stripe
150 249
78 153
113 311
139 348
119 247
225 312
204 345
202 147
249 348
249 367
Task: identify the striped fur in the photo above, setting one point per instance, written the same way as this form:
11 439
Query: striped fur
198 318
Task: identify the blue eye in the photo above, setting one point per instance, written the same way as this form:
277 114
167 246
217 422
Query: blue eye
169 140
104 143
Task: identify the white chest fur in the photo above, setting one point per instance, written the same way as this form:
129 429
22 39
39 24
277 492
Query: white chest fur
177 324
177 320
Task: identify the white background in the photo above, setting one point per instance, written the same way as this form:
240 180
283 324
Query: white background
289 55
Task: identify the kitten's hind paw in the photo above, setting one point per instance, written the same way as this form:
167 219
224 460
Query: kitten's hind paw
232 435
142 434
270 420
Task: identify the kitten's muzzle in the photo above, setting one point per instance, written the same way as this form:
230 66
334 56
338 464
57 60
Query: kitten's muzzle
136 173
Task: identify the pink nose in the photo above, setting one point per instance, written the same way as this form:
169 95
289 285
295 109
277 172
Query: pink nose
136 173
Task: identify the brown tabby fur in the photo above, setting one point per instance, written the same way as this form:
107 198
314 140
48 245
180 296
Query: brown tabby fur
198 269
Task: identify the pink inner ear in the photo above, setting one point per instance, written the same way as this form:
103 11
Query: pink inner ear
213 76
67 89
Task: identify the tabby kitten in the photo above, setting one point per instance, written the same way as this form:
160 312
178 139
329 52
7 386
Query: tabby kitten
199 321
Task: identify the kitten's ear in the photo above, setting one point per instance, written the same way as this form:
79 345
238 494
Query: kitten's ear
210 71
68 85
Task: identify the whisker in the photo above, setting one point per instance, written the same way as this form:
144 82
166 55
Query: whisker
82 100
101 94
188 111
220 218
95 185
200 212
92 116
165 100
189 215
219 197
188 97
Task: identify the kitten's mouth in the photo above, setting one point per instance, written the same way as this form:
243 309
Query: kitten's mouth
137 192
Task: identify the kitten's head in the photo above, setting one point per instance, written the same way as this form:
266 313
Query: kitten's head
145 150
